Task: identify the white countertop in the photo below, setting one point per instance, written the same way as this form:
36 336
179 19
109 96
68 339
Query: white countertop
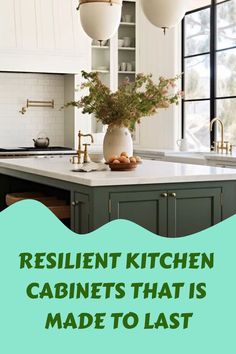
200 158
150 172
221 157
189 157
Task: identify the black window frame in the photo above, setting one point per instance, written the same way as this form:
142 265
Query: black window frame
213 66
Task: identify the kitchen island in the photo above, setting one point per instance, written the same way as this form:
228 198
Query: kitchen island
169 199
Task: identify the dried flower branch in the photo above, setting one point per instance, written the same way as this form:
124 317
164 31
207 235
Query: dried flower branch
131 102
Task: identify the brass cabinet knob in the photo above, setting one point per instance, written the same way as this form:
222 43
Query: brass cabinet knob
173 195
164 195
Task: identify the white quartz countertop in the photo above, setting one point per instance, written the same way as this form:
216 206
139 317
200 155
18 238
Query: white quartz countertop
194 157
221 157
150 172
189 157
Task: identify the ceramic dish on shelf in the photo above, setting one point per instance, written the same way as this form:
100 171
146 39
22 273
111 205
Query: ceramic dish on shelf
120 43
127 18
127 42
97 43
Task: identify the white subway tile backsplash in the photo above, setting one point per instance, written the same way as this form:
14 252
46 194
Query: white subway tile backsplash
19 130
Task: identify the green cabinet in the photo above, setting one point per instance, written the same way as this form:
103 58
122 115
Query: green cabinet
147 209
80 217
171 213
193 210
168 209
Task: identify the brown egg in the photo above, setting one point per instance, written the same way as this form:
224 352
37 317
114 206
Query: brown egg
138 158
116 161
124 154
122 159
112 158
132 160
126 160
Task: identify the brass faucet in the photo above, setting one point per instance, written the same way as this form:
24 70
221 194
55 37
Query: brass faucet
86 156
85 151
80 152
221 145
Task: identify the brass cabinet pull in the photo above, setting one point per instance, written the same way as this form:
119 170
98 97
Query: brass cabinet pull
173 195
164 195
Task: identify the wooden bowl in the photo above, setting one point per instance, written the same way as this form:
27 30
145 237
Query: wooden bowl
123 166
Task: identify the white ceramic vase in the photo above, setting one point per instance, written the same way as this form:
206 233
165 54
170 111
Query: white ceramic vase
116 141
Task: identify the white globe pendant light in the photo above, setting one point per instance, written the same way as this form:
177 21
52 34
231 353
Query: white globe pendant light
165 13
100 19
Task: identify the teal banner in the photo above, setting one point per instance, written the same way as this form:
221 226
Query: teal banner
120 289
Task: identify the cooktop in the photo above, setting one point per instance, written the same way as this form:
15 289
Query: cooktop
27 150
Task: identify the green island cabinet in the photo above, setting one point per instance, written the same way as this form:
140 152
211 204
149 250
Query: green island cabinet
167 210
171 210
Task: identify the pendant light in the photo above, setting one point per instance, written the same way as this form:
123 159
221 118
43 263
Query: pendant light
165 13
100 19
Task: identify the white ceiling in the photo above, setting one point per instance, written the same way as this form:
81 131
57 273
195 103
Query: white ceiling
193 4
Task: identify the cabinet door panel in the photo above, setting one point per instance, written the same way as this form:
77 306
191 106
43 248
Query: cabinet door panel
147 209
28 24
45 25
80 217
7 24
193 210
63 11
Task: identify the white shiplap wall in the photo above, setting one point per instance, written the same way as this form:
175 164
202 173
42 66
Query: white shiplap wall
19 130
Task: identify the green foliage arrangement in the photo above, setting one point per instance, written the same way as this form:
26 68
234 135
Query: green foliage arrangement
131 102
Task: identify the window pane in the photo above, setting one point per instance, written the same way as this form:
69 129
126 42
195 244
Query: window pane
226 111
226 23
197 77
197 32
197 120
226 73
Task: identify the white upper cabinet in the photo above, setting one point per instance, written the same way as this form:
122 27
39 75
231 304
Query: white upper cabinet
42 36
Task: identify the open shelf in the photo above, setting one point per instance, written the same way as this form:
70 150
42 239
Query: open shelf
111 55
101 71
127 72
128 24
128 55
127 48
100 47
